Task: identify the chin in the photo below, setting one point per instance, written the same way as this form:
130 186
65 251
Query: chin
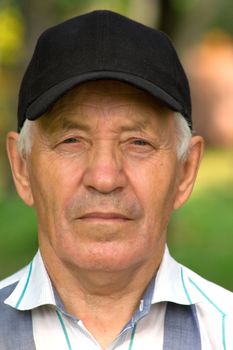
107 256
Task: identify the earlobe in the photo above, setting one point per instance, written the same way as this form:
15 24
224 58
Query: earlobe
19 169
189 171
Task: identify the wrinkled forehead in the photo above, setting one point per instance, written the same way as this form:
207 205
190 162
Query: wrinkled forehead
106 95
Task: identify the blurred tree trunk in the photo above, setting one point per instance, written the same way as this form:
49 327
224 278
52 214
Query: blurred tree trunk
38 15
168 19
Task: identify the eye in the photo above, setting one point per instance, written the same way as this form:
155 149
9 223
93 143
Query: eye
138 146
72 145
140 142
71 140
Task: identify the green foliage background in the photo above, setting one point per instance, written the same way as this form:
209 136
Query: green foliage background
201 233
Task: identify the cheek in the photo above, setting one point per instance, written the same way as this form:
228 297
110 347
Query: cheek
155 186
53 186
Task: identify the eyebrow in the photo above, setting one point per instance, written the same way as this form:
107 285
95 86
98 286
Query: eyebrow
68 124
139 126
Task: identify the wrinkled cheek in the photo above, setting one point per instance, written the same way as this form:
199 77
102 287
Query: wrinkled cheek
156 222
48 210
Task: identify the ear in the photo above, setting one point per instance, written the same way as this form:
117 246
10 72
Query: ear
19 168
189 170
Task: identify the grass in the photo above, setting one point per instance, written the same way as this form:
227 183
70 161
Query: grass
200 233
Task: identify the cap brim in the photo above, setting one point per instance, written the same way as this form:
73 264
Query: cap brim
44 102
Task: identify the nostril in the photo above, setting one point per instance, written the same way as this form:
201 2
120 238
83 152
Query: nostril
104 181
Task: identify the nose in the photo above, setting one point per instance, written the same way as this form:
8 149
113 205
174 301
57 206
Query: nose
105 172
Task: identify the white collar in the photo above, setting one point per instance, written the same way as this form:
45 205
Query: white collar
35 288
172 283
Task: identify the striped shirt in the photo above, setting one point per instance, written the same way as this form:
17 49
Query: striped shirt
54 328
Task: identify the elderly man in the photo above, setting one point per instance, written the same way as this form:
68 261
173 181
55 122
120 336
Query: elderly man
105 154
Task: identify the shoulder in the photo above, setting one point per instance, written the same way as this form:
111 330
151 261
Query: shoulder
8 284
12 279
15 326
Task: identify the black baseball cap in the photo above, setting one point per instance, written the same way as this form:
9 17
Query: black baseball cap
102 45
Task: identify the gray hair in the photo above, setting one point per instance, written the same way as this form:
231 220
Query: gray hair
25 138
183 131
184 136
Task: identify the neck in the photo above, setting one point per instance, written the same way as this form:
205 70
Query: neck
89 295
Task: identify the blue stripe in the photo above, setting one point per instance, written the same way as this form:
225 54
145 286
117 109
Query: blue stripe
25 287
64 330
217 308
185 289
209 300
223 332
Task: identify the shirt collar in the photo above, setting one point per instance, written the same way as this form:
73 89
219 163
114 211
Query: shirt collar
170 284
34 287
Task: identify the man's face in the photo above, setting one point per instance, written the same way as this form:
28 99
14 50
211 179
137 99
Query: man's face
104 177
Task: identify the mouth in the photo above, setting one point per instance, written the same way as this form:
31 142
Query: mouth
104 216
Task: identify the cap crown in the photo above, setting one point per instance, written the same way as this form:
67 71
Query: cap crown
102 45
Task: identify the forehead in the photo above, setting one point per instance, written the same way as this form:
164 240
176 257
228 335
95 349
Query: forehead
106 96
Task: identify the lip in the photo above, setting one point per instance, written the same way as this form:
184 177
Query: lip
107 216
